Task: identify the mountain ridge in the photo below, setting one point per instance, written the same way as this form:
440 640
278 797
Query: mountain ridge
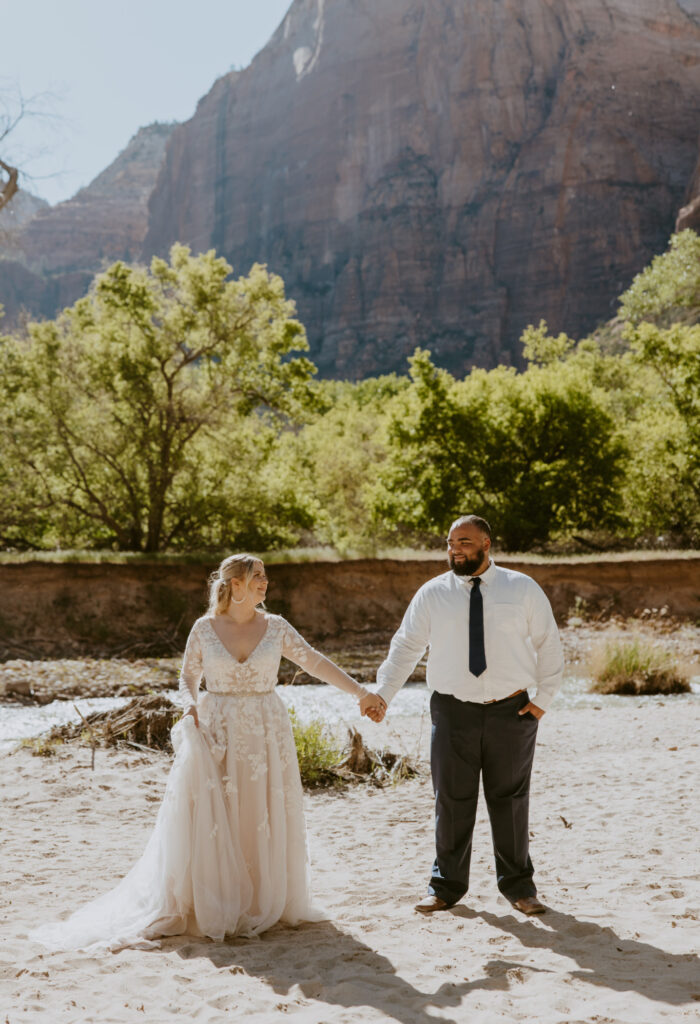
426 173
420 172
53 256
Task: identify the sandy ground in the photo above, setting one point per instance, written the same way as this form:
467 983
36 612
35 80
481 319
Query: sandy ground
614 841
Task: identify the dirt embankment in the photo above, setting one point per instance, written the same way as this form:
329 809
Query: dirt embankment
65 610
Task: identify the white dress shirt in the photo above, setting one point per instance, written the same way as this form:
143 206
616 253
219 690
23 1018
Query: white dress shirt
520 636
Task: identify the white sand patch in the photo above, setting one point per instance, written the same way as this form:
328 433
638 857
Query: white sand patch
622 882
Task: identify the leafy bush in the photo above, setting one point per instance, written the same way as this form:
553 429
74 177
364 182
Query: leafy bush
173 410
636 667
668 290
317 752
537 453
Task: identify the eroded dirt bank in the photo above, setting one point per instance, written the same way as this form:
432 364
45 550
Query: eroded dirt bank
65 610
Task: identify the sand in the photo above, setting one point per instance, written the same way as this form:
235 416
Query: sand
614 841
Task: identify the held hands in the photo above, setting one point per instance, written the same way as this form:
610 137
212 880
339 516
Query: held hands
373 706
533 709
193 712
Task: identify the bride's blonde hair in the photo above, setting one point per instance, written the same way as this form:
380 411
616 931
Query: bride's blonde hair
238 567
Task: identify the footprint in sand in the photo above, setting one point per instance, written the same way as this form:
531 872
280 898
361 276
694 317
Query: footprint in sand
222 1002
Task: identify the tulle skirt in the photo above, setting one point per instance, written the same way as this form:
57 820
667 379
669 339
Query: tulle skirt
227 855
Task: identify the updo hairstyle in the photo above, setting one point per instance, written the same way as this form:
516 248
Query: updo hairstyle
239 567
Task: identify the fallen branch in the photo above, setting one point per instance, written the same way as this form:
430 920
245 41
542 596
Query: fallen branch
91 734
375 766
144 722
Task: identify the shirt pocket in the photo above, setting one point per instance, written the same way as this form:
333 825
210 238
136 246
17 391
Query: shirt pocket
503 619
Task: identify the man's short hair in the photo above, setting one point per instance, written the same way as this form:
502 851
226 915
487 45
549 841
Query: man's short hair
477 521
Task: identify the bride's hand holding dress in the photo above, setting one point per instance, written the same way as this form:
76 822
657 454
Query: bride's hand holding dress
227 855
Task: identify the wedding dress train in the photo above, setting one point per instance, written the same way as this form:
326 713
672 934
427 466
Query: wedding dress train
227 855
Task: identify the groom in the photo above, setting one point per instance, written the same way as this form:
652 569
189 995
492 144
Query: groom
491 635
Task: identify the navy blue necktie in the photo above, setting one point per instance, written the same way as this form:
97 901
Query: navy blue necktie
477 653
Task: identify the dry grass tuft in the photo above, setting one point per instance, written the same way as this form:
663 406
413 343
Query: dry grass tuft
636 666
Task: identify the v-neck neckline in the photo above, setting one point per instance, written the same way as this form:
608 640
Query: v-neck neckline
233 656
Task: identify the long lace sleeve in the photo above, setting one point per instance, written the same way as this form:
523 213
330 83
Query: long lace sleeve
191 671
316 664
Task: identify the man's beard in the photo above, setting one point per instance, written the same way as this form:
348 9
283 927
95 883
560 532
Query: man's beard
469 566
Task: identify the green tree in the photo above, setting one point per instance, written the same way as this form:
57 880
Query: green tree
339 456
665 467
658 503
668 290
142 416
435 457
674 356
540 348
659 314
651 389
536 453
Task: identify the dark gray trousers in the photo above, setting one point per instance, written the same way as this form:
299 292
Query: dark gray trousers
495 742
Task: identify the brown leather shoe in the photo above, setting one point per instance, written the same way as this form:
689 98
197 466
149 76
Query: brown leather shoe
430 904
529 905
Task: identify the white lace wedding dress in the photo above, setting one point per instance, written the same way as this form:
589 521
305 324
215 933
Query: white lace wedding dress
227 855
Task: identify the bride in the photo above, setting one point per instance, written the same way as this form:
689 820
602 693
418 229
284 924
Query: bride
227 855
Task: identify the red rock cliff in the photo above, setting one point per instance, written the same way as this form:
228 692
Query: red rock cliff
443 173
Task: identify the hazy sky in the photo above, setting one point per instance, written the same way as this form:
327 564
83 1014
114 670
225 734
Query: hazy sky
110 68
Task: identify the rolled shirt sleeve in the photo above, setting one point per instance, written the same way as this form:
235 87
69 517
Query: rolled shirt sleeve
407 648
544 636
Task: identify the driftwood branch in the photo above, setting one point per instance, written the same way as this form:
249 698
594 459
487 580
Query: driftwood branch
11 186
375 766
145 722
91 736
15 107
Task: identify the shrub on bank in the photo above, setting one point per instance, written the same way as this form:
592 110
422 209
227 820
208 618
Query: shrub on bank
146 721
636 666
317 752
320 763
41 746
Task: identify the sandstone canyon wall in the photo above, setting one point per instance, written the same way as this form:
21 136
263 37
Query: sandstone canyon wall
420 172
443 173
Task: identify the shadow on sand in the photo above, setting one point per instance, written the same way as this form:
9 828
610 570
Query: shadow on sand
322 964
605 959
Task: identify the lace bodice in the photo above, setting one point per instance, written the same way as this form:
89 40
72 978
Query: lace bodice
205 656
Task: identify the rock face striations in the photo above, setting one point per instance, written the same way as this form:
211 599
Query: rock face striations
689 214
420 172
443 173
52 257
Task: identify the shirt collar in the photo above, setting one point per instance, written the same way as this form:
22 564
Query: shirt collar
486 576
